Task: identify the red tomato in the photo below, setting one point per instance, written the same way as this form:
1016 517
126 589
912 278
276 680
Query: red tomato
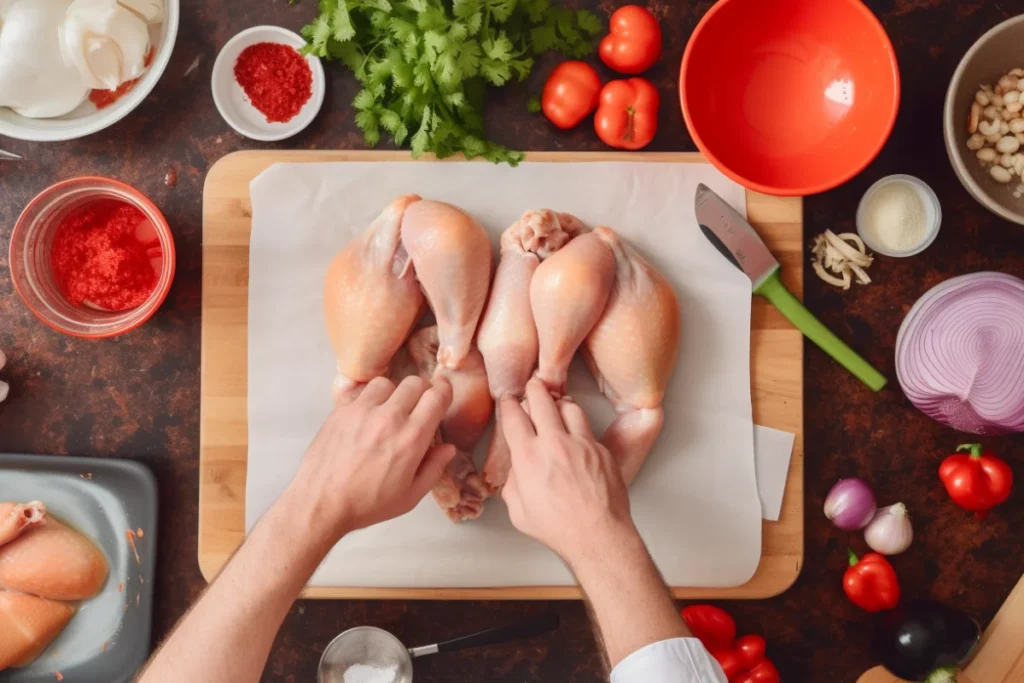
730 662
633 43
765 672
570 93
751 650
627 117
712 626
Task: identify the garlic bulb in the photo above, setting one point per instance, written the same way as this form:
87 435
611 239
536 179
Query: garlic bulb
107 42
890 532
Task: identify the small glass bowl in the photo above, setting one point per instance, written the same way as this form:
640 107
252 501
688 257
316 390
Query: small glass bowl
932 213
32 274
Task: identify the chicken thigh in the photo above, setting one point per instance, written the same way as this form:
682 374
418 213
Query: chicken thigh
632 352
460 493
371 298
452 257
508 335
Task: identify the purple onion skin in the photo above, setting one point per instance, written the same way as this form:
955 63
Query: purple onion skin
850 504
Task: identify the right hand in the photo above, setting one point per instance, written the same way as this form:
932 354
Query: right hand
375 457
565 489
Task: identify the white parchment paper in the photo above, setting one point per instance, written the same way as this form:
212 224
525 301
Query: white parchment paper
695 502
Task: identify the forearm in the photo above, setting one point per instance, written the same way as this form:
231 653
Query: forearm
226 637
631 605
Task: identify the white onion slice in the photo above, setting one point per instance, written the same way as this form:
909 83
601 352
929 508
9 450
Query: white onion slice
960 353
105 41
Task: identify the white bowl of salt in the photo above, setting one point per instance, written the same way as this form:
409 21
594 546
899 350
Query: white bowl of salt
899 216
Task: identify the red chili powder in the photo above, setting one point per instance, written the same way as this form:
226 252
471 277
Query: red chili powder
105 253
276 79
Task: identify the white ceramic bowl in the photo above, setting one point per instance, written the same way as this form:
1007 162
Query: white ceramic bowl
87 119
234 106
932 213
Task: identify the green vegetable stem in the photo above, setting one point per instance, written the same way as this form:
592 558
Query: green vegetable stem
425 65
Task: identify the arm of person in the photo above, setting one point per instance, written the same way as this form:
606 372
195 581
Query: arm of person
565 490
371 461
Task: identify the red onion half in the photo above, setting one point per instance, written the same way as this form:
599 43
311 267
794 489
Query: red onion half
960 353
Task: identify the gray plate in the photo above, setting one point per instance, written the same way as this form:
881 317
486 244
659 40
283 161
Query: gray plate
108 638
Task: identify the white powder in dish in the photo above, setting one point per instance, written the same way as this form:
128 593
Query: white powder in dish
370 673
895 216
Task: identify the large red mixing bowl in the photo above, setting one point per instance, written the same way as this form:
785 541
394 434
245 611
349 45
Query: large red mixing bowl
790 97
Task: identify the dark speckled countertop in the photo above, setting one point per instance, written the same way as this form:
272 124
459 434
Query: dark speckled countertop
138 396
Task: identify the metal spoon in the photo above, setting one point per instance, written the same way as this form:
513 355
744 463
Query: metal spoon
373 648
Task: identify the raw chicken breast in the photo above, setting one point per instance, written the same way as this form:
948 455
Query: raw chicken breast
54 562
27 626
452 256
17 518
371 298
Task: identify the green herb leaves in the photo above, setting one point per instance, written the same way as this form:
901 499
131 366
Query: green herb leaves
425 65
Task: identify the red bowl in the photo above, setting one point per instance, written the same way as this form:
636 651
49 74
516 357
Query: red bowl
790 97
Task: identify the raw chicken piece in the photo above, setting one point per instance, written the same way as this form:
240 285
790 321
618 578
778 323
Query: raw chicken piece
53 562
460 493
508 335
567 295
371 298
632 351
27 626
452 256
16 518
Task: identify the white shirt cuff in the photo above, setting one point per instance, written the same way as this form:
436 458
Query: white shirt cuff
679 660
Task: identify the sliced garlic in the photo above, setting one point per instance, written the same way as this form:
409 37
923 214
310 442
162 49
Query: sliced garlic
840 259
106 42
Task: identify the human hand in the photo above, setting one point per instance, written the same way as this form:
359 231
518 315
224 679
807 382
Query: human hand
565 489
375 458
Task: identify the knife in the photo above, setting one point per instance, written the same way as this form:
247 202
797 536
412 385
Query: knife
9 156
738 242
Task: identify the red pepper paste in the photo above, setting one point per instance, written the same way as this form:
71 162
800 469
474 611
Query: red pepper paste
276 79
106 255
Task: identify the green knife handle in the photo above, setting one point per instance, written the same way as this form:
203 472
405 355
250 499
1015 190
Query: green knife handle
776 292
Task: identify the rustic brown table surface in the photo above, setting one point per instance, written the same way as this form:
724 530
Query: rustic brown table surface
138 396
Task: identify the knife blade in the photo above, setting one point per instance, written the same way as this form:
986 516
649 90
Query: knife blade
735 238
9 156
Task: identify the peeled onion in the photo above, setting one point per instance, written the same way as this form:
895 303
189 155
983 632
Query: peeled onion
960 353
850 504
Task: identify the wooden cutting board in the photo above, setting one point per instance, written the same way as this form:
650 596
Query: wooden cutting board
1000 657
776 375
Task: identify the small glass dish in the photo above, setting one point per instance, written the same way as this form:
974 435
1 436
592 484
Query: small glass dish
32 274
932 212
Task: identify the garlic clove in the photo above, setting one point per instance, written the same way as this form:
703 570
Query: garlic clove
890 531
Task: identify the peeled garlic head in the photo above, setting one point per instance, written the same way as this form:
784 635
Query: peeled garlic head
107 42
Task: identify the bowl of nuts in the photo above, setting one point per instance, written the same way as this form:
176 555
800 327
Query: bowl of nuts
983 120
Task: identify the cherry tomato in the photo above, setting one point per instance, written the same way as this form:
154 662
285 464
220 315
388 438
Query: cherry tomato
765 672
711 625
751 650
570 94
633 43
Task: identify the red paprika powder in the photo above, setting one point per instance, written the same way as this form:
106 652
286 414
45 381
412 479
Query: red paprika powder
106 255
276 79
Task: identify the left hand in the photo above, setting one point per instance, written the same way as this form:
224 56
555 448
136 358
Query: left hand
375 459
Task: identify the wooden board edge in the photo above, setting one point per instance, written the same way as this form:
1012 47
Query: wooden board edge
211 565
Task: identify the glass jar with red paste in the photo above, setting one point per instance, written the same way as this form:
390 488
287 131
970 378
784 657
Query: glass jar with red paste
92 257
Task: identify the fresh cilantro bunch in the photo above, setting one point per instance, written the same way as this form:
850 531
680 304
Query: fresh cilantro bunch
425 64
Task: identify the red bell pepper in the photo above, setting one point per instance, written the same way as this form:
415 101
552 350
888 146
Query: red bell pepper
976 482
870 582
742 659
